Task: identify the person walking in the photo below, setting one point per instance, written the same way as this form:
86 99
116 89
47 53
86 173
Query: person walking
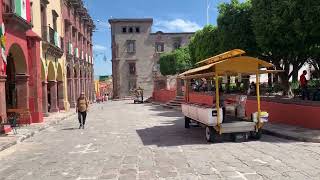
81 109
304 86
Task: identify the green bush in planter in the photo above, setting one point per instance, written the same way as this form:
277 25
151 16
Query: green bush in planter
295 86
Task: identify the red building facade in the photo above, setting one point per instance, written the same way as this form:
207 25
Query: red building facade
20 82
78 27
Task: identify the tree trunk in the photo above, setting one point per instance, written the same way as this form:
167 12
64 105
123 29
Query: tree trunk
285 81
295 74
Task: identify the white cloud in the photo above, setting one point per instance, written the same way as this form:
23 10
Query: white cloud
98 47
176 25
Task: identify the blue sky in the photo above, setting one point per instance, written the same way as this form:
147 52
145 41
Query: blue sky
168 15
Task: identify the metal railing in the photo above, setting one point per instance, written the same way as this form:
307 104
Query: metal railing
51 36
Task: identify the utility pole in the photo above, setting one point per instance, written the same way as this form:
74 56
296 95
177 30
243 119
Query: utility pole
208 7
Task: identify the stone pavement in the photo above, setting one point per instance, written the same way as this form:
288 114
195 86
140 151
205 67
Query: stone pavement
293 132
27 131
127 141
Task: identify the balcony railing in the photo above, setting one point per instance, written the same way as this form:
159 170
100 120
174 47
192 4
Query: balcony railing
15 17
51 36
69 48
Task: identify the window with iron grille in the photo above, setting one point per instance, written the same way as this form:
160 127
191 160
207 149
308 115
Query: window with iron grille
132 68
159 47
124 29
131 46
130 29
137 29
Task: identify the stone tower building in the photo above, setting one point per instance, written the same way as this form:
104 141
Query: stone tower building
136 52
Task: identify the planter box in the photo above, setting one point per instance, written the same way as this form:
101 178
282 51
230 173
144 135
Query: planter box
5 129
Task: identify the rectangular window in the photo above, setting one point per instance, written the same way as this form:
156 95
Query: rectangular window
137 29
176 45
130 29
132 68
124 29
131 46
159 47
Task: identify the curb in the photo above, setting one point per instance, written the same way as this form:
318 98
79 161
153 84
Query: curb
285 136
31 134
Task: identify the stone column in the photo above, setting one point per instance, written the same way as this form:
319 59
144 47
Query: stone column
22 91
76 80
53 96
89 90
81 84
86 87
69 90
60 95
45 98
72 91
22 87
3 104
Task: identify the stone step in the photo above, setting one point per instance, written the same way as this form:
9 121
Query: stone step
175 102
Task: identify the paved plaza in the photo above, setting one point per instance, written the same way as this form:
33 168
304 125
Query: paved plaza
123 140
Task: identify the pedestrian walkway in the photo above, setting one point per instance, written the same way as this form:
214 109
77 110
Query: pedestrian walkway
292 132
27 131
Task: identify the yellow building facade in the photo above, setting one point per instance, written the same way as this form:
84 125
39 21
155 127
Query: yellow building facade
65 27
48 24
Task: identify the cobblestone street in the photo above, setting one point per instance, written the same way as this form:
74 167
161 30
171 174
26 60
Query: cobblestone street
127 141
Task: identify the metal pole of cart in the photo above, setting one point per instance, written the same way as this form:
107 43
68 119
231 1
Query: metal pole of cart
258 98
217 101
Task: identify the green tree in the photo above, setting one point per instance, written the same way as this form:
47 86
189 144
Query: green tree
204 44
175 62
235 27
282 29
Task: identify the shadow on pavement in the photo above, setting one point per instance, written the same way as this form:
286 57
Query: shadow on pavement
173 133
69 129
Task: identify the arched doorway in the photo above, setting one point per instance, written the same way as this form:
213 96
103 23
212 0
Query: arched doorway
70 87
76 82
60 87
44 90
52 89
81 80
17 79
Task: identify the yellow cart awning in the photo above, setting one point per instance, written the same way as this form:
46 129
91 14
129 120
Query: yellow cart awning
231 66
220 57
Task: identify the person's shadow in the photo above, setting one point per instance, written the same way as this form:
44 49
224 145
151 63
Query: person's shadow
69 129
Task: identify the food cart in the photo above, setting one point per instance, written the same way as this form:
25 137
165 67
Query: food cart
231 63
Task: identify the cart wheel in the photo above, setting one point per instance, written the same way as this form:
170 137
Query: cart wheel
244 137
256 135
186 122
210 134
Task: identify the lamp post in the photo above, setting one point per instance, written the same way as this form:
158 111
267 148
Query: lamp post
208 7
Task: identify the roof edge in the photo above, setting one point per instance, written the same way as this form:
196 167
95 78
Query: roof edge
115 20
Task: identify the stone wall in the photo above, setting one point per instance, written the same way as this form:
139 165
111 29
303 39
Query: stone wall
145 56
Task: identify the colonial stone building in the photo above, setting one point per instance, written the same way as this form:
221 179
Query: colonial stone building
135 54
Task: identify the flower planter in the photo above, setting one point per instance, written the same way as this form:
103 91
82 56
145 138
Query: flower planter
5 129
